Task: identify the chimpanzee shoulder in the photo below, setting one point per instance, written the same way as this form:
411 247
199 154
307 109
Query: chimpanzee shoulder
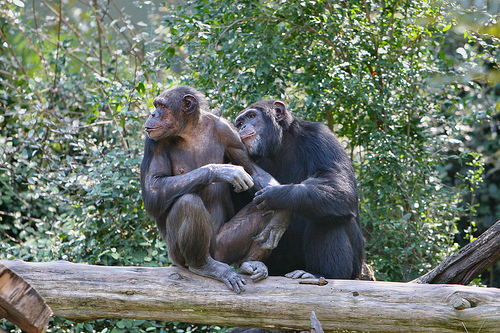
312 147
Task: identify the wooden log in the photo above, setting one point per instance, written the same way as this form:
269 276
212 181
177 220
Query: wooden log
21 304
470 261
83 292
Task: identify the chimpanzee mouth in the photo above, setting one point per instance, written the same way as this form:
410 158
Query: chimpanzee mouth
150 129
247 135
249 140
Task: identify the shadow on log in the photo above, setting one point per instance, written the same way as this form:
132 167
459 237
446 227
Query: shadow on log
84 292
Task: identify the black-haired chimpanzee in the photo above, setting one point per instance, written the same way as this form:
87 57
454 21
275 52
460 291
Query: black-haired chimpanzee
185 183
318 186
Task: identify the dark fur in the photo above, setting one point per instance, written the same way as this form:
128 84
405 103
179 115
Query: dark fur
324 237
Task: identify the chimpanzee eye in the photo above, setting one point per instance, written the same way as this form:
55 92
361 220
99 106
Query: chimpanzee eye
239 124
159 104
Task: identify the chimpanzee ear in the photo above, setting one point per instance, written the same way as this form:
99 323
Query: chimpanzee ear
280 109
190 104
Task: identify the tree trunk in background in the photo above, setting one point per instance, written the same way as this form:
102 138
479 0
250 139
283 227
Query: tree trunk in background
465 265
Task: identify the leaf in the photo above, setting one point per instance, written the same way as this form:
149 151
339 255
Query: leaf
18 3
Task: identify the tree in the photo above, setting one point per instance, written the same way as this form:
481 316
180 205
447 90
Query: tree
76 79
364 67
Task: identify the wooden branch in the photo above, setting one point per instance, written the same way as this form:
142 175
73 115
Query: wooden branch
83 292
20 303
465 265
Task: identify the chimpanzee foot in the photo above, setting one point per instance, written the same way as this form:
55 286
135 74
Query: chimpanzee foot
300 274
222 272
256 269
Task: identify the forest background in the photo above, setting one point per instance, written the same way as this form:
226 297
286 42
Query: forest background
410 87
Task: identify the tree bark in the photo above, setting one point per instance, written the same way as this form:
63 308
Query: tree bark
470 261
21 304
84 292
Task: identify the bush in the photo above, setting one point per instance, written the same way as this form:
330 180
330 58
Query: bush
76 82
71 136
363 67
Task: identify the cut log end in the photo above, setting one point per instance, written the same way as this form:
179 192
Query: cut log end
21 304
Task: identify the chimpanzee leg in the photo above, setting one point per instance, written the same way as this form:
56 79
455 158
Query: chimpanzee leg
188 235
234 242
187 231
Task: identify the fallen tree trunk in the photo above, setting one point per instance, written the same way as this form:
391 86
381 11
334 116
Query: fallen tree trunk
21 304
465 265
83 292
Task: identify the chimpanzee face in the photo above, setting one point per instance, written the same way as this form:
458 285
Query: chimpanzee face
251 125
172 112
162 122
261 127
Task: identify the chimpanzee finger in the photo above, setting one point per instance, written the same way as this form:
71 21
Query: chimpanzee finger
261 237
295 274
267 213
256 269
263 206
243 183
257 199
260 202
261 275
300 274
248 180
228 283
237 187
237 284
273 240
260 192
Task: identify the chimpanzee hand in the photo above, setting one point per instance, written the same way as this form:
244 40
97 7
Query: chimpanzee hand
233 174
262 197
269 238
300 274
256 269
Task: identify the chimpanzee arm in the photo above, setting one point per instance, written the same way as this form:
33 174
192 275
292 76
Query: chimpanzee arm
327 196
238 154
160 188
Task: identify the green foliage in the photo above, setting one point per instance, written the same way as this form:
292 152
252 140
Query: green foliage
471 52
71 138
411 89
123 326
365 67
74 89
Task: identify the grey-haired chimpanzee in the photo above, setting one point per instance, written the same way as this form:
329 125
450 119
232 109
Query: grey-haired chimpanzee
318 186
185 185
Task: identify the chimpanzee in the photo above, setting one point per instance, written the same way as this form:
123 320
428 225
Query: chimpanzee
185 183
318 186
